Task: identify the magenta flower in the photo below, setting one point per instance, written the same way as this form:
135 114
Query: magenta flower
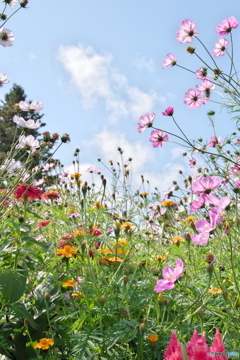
218 346
205 87
192 163
187 31
197 204
168 112
204 227
206 184
158 138
197 348
201 73
226 26
214 141
173 350
220 204
171 60
170 275
220 47
145 121
193 98
6 37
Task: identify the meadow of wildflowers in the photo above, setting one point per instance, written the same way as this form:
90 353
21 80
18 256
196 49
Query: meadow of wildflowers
113 272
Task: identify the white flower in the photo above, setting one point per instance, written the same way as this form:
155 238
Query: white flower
29 124
12 3
28 141
6 37
34 106
11 166
4 79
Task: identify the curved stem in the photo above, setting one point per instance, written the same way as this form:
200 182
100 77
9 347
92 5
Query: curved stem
207 51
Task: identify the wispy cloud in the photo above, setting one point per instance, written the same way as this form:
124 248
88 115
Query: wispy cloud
144 63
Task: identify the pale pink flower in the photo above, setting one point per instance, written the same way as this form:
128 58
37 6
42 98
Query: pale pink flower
193 98
226 26
214 141
197 204
201 73
205 227
28 124
158 138
6 37
38 182
237 183
171 60
4 79
11 166
168 112
187 31
192 163
90 170
28 142
74 215
170 275
173 350
220 204
97 171
205 87
220 47
235 170
35 106
145 121
206 184
48 166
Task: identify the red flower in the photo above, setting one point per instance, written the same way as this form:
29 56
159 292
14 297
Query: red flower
43 223
27 192
50 196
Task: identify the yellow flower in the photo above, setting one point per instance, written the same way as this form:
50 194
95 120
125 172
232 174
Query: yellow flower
215 291
76 176
127 171
153 338
97 205
177 240
126 225
144 195
80 232
67 251
44 344
189 219
122 242
78 182
161 258
168 203
77 294
111 259
69 283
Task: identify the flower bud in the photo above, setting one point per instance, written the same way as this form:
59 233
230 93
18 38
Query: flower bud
125 278
47 296
103 299
65 138
142 328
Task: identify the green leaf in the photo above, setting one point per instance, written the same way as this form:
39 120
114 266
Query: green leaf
12 285
22 313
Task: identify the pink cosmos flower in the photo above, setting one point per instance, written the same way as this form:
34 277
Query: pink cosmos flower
201 73
28 142
90 170
187 31
220 47
35 106
11 166
214 141
192 163
48 166
38 182
145 121
4 79
197 204
237 183
226 26
235 170
206 87
206 184
205 227
168 112
220 204
6 37
97 171
171 60
29 124
173 350
158 138
74 215
193 98
170 275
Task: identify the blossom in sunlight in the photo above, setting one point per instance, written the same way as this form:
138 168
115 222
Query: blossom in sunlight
97 205
206 184
226 26
173 350
168 203
189 219
38 182
214 141
50 196
205 87
29 124
158 138
28 192
220 47
4 79
177 240
171 60
6 37
28 142
145 121
48 166
187 31
44 344
201 73
193 98
67 251
126 225
69 283
192 163
153 338
204 227
76 294
35 106
168 112
11 166
170 275
215 291
197 204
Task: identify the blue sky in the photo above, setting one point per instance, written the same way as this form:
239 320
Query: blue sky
97 66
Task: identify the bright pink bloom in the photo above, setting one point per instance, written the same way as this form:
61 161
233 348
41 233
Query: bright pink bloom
220 204
74 215
235 170
201 73
26 191
6 37
220 47
214 141
237 183
145 121
173 350
205 87
197 204
170 275
197 348
158 138
192 163
205 227
218 346
171 60
168 112
193 98
206 184
187 31
226 26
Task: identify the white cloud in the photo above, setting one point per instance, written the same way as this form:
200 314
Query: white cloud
96 79
142 62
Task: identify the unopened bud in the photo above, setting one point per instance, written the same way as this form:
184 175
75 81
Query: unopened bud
65 138
103 299
142 328
47 296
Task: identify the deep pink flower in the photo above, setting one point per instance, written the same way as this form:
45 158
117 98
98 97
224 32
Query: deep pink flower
201 73
28 192
145 121
187 31
170 275
171 60
218 346
235 170
173 350
6 37
192 163
205 87
197 348
158 138
226 26
220 47
197 204
214 141
193 98
206 184
168 112
205 227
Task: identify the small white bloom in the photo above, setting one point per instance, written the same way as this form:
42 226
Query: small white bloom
28 142
4 79
6 37
34 106
29 124
11 166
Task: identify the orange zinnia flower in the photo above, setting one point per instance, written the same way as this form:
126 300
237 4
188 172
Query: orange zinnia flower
67 251
44 344
168 203
69 283
153 338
